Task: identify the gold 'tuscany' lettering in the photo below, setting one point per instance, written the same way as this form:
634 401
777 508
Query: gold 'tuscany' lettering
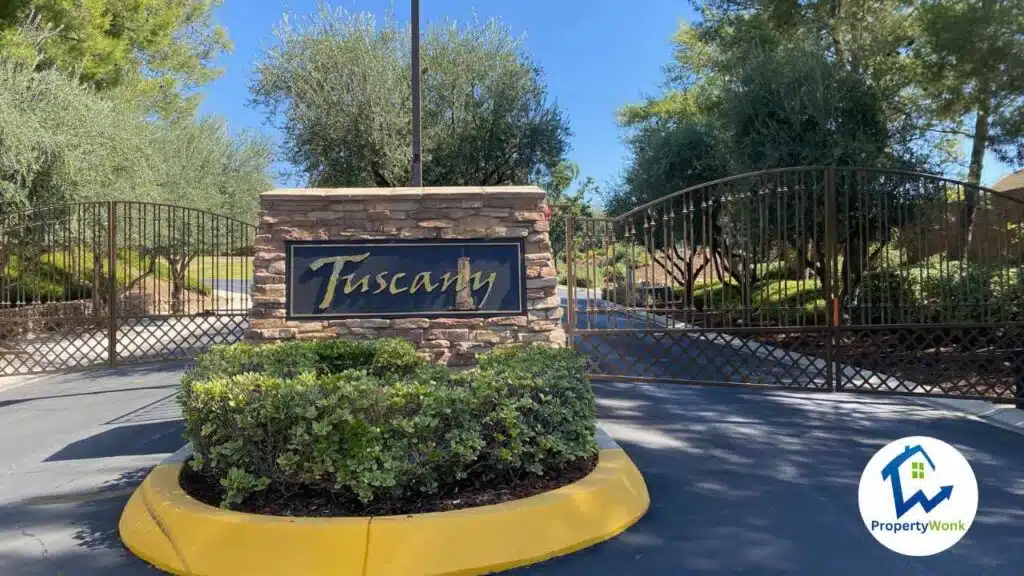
393 288
350 287
421 282
332 284
477 283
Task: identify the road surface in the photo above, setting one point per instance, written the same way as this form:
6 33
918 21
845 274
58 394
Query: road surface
72 448
741 481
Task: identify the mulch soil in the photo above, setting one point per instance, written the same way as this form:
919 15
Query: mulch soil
310 502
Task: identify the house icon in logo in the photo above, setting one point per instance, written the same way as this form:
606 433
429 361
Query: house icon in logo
891 472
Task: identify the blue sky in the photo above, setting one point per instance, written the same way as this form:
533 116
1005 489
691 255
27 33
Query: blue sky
597 55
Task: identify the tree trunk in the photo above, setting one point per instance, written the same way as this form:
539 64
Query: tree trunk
716 267
970 203
690 273
177 294
98 291
178 270
853 270
835 13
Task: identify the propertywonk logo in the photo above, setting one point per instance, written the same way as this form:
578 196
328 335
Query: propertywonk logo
918 496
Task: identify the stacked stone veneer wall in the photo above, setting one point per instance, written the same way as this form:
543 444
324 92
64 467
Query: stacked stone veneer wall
414 213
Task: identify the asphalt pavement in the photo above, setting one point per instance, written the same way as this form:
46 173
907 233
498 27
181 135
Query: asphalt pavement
751 482
72 449
741 481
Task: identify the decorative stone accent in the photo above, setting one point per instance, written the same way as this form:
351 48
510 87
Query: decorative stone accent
409 213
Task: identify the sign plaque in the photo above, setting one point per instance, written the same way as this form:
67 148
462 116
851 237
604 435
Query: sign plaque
405 278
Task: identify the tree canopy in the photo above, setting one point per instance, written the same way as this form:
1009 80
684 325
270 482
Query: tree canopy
63 141
162 49
915 77
761 84
340 85
785 106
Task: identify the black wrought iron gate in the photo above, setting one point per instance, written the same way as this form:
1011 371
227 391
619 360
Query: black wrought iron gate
113 282
814 278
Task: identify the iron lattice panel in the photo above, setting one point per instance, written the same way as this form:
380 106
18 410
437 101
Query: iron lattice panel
52 344
176 337
705 357
93 283
981 361
864 276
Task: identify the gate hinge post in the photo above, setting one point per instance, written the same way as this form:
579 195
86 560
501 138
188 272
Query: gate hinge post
831 280
112 303
570 275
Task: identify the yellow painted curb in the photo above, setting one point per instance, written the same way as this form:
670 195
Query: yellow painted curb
164 526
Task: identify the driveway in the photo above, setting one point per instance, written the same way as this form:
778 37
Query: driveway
72 449
761 482
741 481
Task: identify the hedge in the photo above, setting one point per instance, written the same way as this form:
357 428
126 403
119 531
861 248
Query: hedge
373 421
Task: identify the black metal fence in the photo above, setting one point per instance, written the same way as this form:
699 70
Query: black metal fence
813 278
112 282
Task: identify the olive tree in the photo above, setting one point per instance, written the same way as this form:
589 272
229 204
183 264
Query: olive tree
339 84
63 142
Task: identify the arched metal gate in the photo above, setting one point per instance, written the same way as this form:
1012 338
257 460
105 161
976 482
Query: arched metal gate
113 282
814 278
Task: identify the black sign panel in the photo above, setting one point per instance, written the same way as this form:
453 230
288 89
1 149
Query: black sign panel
405 278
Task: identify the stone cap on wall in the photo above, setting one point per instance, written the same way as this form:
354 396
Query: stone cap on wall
434 192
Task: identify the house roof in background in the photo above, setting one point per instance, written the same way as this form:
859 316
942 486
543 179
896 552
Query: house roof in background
1013 183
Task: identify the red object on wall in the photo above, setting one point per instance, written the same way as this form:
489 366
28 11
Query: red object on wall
547 211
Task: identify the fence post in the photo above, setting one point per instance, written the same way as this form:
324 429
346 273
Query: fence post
1020 386
112 303
570 275
829 281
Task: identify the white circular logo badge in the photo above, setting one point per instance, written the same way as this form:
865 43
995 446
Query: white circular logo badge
918 496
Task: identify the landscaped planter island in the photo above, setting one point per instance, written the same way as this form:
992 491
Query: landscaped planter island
344 457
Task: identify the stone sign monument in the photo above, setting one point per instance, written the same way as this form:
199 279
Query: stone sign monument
456 271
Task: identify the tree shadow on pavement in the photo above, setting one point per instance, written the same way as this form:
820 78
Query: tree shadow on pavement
16 401
100 529
749 482
161 437
38 529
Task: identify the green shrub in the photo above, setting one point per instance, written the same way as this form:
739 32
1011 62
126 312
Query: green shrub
959 293
373 421
395 356
282 360
886 298
542 409
335 356
938 290
632 255
616 273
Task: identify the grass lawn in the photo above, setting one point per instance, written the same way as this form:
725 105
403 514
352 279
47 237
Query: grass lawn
221 268
788 296
62 276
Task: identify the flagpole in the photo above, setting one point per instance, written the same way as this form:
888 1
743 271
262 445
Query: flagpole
417 160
